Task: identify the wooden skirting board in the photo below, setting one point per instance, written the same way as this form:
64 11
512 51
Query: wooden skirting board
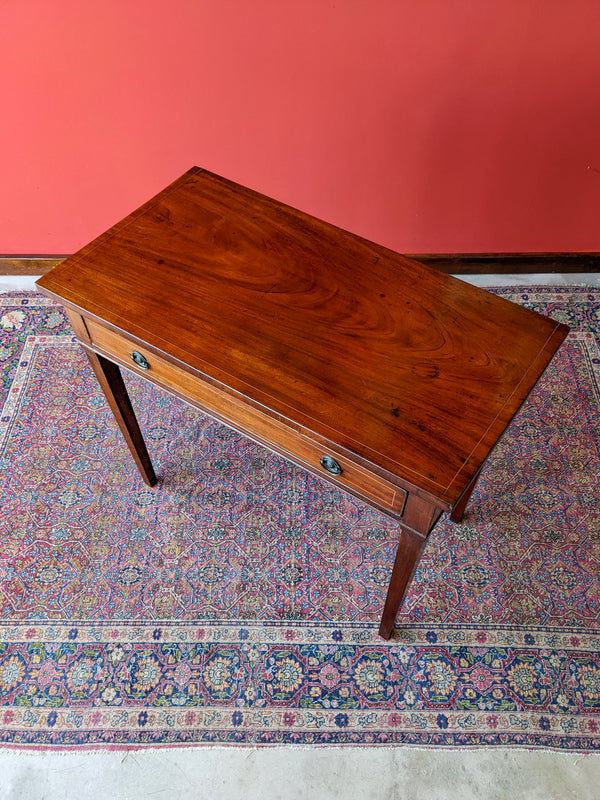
512 263
455 264
28 265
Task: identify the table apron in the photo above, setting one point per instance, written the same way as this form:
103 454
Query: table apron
266 430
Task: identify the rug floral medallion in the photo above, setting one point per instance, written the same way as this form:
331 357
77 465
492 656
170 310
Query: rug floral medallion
238 601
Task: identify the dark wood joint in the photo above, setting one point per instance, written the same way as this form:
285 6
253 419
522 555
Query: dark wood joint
78 325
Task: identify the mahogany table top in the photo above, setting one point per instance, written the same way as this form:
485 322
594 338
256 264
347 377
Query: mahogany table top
409 369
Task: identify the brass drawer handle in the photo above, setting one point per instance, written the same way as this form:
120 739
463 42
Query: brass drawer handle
330 465
140 360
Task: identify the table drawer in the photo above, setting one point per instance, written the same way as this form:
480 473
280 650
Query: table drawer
250 420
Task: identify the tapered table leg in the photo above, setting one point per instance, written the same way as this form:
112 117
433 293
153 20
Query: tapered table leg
458 511
110 379
417 522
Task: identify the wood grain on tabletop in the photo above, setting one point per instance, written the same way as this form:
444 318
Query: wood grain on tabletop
409 368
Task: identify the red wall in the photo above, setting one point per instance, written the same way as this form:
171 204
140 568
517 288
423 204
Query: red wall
430 126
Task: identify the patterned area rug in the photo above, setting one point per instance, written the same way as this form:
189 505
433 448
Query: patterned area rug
239 600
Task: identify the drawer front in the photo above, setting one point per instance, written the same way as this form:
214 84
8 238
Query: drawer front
250 420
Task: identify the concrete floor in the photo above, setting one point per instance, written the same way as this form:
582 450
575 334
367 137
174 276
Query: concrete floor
377 773
284 773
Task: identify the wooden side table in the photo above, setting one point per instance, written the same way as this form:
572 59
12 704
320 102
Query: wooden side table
392 380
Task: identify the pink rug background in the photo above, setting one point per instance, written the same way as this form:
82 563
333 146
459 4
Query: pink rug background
238 601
